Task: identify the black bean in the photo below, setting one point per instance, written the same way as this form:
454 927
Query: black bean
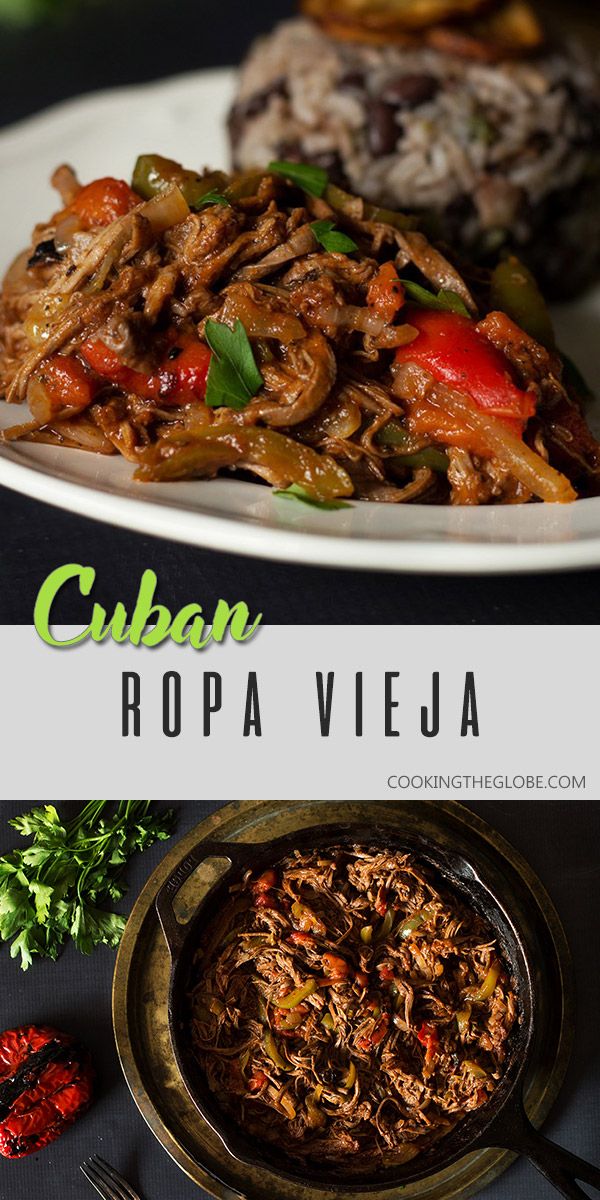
408 91
253 106
382 130
330 161
289 151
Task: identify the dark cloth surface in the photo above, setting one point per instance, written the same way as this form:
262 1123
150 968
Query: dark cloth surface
559 839
37 538
104 43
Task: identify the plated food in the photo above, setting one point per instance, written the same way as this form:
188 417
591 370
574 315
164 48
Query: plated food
349 1007
271 323
464 113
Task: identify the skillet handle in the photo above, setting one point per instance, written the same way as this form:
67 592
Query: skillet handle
557 1165
172 928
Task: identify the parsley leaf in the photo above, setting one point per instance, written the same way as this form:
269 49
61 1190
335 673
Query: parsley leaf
313 180
332 239
296 492
445 301
61 884
212 197
233 376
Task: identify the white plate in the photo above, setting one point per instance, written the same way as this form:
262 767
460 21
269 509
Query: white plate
183 118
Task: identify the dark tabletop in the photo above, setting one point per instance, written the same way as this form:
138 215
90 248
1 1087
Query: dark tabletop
102 43
559 839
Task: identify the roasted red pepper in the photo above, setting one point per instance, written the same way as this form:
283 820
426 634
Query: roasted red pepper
46 1083
181 378
453 351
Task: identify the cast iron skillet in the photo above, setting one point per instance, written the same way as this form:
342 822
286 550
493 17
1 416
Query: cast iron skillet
502 1122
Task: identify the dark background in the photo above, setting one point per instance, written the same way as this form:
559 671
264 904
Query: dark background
112 42
560 840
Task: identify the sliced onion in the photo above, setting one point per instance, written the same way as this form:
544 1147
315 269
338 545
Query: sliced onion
42 317
41 405
260 318
165 209
412 383
84 434
65 232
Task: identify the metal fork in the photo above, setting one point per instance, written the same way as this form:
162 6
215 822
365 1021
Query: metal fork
107 1182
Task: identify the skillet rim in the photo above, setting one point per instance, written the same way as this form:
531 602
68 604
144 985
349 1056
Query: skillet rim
243 855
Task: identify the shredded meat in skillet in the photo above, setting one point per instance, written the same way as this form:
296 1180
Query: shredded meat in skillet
103 331
350 1008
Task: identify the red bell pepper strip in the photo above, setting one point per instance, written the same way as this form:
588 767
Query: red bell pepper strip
66 383
257 1081
453 351
386 294
46 1083
386 972
180 379
298 938
266 881
100 202
336 967
428 1036
377 1035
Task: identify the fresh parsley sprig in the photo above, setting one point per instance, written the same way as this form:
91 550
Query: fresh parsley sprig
64 883
445 301
296 492
212 197
310 179
233 376
332 239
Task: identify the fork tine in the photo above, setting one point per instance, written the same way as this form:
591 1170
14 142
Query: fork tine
95 1182
111 1176
107 1182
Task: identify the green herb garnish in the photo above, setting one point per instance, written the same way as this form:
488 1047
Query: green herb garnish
212 197
311 179
332 239
233 376
296 492
445 301
59 886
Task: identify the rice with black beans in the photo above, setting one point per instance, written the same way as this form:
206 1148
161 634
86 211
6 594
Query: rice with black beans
505 153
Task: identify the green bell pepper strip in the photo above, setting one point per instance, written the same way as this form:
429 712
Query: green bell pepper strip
514 291
393 434
272 1050
347 204
153 174
297 995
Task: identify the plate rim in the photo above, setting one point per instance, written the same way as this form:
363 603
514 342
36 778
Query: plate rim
231 535
439 555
